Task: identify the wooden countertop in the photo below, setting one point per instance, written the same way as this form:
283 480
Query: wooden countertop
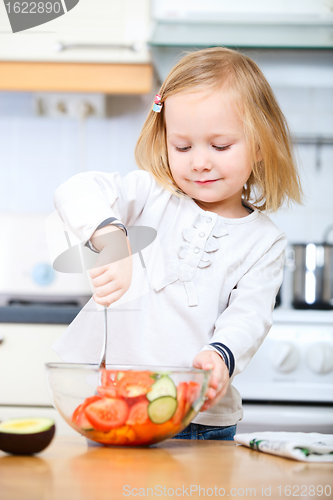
69 469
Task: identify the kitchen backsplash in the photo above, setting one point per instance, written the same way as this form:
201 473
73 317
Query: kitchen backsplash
38 153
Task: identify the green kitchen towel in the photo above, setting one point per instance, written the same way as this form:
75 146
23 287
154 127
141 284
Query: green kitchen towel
303 446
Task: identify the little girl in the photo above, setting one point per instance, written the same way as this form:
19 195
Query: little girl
214 154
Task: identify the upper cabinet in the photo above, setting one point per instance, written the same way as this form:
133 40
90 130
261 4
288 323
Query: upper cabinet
104 31
291 40
92 46
297 24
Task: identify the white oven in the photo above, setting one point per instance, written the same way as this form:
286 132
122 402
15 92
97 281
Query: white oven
27 277
288 384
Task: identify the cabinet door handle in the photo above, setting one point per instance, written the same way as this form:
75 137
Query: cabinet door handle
61 46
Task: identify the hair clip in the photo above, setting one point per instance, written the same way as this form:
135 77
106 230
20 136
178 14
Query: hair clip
157 104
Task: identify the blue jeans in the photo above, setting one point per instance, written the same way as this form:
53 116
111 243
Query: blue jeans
198 431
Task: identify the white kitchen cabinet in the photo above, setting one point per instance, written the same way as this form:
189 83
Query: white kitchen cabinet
24 350
87 33
95 47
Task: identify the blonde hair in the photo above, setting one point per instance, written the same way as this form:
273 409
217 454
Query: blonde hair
274 179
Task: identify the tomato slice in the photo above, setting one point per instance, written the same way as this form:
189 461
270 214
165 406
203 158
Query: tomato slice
132 385
76 413
109 377
193 392
80 409
83 423
107 392
107 413
181 400
138 413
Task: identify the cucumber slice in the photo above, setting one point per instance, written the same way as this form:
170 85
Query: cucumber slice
164 386
162 409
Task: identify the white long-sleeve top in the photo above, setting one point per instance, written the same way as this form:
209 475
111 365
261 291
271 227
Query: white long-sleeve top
208 280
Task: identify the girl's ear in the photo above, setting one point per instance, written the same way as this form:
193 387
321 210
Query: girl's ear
258 154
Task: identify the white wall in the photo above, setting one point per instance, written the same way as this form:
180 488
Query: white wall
309 111
37 153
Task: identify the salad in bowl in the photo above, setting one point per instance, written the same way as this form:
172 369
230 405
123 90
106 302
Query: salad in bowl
127 405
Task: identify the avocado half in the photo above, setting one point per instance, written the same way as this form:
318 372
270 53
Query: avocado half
26 436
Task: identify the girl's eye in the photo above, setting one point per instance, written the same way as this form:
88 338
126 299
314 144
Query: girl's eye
187 148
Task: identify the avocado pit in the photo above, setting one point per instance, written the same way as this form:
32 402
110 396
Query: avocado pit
26 436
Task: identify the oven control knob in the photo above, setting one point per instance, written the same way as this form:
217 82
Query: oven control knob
320 357
43 274
284 357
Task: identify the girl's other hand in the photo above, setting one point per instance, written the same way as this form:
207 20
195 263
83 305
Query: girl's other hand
219 380
112 275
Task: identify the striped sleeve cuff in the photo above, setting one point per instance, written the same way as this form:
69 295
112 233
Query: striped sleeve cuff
226 354
106 222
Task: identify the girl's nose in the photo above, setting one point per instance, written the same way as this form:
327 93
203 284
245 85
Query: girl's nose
200 161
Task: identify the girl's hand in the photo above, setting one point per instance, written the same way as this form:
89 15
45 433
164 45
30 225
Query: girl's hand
219 380
111 280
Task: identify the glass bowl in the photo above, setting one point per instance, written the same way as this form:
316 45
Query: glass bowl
127 405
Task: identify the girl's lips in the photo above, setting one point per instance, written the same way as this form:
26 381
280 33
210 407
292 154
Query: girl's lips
206 182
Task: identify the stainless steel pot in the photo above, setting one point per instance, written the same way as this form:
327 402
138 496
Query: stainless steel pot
313 274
